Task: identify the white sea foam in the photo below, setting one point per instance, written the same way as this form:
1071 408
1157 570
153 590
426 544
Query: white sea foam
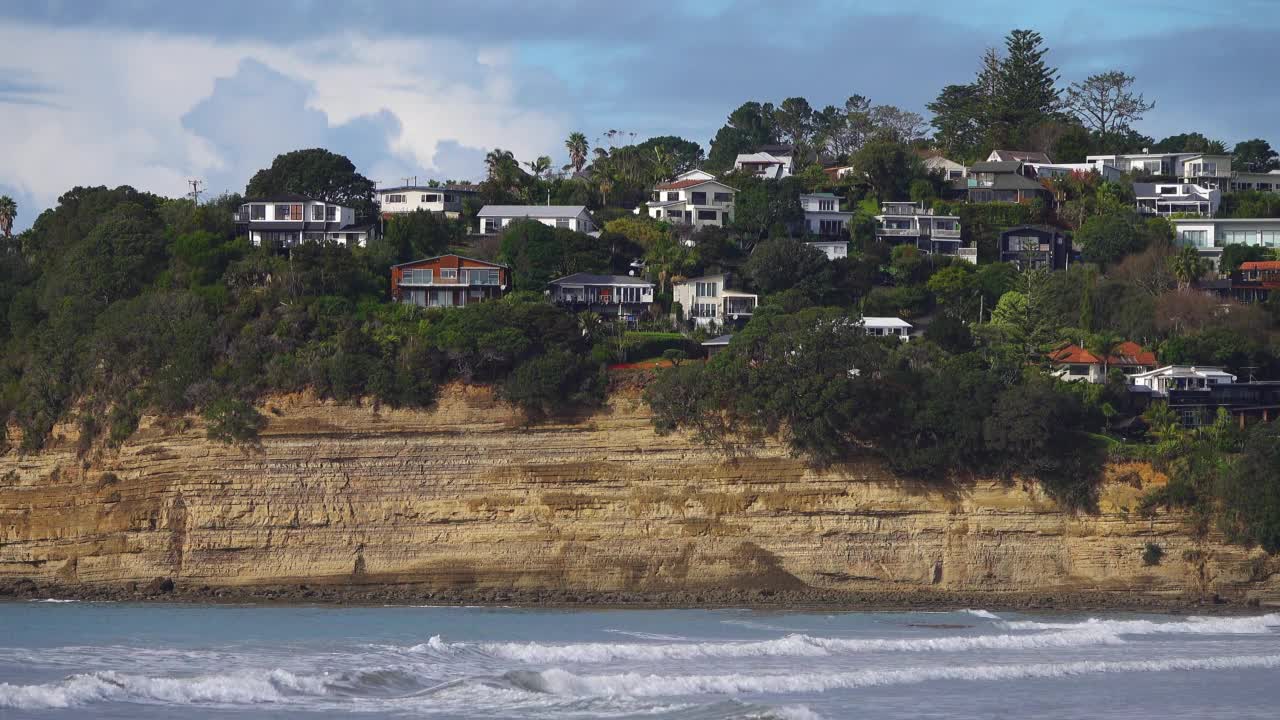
790 646
82 689
981 613
562 682
1246 625
53 600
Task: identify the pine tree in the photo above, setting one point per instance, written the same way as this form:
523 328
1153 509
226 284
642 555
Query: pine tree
1026 88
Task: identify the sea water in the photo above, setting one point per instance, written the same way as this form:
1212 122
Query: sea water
79 659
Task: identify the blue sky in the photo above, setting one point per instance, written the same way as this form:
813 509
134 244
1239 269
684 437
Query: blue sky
151 93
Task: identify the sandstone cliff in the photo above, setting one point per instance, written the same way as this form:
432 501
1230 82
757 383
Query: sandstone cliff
466 496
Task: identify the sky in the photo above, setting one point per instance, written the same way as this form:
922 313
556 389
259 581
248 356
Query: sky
153 93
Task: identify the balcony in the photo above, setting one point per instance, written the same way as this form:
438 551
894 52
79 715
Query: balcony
899 232
946 234
740 306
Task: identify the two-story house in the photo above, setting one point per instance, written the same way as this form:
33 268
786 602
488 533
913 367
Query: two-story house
618 296
448 281
1019 156
1263 182
440 199
1253 282
1210 235
692 201
707 301
1001 181
493 218
823 216
1176 199
288 220
908 222
771 162
1075 364
1205 170
1161 381
1035 246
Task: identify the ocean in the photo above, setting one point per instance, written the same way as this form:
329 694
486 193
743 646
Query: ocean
109 660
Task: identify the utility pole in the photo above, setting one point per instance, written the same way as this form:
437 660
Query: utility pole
195 190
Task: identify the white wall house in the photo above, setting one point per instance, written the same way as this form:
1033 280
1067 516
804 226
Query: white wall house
766 165
1210 235
1210 171
1266 182
620 296
408 198
887 327
834 249
692 202
493 218
1176 198
1052 170
694 174
707 302
950 169
823 216
288 220
908 222
1180 377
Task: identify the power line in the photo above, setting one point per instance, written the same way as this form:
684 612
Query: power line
196 189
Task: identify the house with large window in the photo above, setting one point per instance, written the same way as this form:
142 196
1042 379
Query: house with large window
1263 182
493 218
1001 181
446 199
1166 199
288 220
887 327
1253 282
707 301
1035 246
1160 381
823 216
1210 235
616 296
1075 364
912 223
448 281
1205 170
692 201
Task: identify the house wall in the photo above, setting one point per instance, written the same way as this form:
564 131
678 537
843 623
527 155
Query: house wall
455 262
413 201
581 223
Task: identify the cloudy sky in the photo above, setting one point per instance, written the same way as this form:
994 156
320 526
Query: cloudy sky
154 92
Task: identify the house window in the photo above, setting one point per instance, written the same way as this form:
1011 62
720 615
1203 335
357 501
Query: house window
699 198
1023 243
708 215
829 227
330 213
395 198
562 223
1077 370
673 196
257 212
477 276
1194 238
430 198
706 289
313 237
724 198
1240 237
448 273
955 174
283 212
1271 238
492 225
450 198
317 213
704 310
417 276
826 205
629 294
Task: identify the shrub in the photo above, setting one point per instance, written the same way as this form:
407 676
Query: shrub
233 421
644 345
1152 554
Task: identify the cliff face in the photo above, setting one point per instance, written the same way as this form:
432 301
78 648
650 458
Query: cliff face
465 496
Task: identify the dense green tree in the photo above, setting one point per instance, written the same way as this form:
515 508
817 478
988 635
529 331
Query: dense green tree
538 254
1107 239
1250 491
764 208
420 234
783 264
748 127
889 168
1190 142
318 174
1255 156
1027 90
1235 254
959 122
1250 204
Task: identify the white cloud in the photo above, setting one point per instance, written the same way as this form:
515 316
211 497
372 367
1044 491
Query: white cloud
152 110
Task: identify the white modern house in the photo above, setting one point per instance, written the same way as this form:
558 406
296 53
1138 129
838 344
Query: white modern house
493 218
692 201
823 216
1177 199
772 163
887 327
706 301
437 199
1210 235
1052 170
1266 182
908 222
1179 377
1205 170
288 219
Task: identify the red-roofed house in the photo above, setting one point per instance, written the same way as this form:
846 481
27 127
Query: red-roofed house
692 201
1073 363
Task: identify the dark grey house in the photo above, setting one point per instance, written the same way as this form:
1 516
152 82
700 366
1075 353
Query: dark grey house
1036 246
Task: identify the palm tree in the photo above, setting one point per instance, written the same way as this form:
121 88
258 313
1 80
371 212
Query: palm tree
497 162
539 166
1187 266
8 211
577 147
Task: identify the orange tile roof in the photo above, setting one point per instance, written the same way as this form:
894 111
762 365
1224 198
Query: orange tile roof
1126 353
1260 265
679 185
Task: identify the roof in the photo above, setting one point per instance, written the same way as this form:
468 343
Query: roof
760 157
1037 228
819 195
590 279
538 211
1126 353
1260 265
1184 370
996 166
460 257
1187 193
777 149
1023 155
430 188
682 184
282 197
884 322
722 340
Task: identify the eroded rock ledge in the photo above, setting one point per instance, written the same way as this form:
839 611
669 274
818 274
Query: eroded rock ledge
466 501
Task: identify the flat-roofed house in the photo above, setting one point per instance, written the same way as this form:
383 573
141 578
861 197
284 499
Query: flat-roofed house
493 219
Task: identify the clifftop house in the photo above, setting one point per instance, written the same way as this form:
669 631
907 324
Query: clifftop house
692 201
1074 363
493 218
448 281
288 219
408 198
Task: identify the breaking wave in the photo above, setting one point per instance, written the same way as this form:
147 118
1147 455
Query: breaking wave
240 688
1245 625
562 682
